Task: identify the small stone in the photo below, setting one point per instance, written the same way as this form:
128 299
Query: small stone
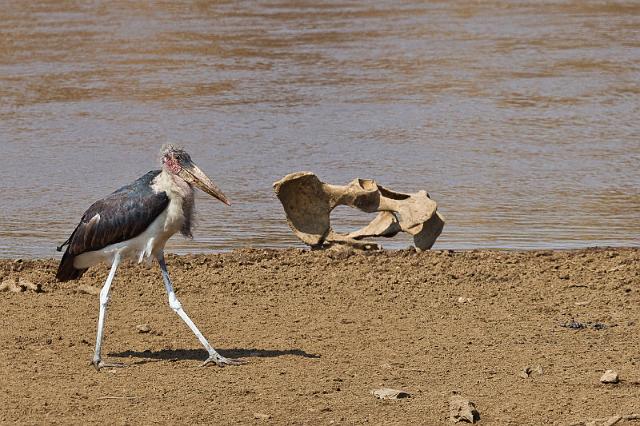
612 420
464 299
88 289
10 285
388 393
462 410
261 416
17 265
143 328
573 324
609 376
528 371
28 285
340 252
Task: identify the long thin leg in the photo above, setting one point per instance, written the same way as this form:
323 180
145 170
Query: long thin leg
175 304
104 302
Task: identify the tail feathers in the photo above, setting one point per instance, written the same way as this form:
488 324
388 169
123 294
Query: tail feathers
66 271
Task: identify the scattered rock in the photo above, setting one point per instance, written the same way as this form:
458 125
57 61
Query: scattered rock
143 328
464 299
18 285
462 410
612 420
17 265
576 325
529 371
543 253
388 393
88 289
261 416
609 376
11 285
573 324
340 252
28 285
609 421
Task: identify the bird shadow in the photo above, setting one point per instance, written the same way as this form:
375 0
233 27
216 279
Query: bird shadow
201 354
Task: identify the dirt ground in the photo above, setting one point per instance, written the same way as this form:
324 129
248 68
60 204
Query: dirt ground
321 330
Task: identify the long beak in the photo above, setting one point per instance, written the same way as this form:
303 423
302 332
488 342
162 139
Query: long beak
192 174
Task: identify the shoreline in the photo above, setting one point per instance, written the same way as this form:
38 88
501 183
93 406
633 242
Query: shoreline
199 252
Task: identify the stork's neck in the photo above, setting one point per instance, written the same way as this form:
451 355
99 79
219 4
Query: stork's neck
176 188
181 205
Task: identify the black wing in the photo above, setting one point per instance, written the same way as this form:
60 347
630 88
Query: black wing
123 215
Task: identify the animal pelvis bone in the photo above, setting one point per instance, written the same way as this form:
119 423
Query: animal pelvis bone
308 203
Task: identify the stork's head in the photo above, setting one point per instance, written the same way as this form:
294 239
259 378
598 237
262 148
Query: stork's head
177 161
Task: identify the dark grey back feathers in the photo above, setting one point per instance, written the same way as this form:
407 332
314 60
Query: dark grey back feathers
124 214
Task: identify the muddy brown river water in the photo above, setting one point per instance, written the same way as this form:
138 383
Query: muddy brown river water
519 117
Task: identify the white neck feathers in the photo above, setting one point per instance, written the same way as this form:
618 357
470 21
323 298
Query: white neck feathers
181 199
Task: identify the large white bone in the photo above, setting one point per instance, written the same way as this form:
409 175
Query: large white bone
308 203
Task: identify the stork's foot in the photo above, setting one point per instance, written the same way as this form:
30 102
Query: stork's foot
221 361
98 364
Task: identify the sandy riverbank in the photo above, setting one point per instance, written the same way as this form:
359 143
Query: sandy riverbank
321 330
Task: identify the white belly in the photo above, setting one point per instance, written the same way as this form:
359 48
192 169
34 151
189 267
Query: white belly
145 245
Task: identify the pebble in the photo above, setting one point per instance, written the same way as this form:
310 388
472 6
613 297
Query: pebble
612 420
528 371
18 285
340 252
28 285
261 416
17 265
88 289
462 410
609 376
388 393
143 328
10 285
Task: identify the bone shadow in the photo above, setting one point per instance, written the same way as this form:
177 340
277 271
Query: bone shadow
201 354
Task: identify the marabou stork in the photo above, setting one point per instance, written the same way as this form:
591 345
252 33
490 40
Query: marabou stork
136 221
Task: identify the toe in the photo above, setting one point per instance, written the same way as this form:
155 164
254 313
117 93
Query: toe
221 361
